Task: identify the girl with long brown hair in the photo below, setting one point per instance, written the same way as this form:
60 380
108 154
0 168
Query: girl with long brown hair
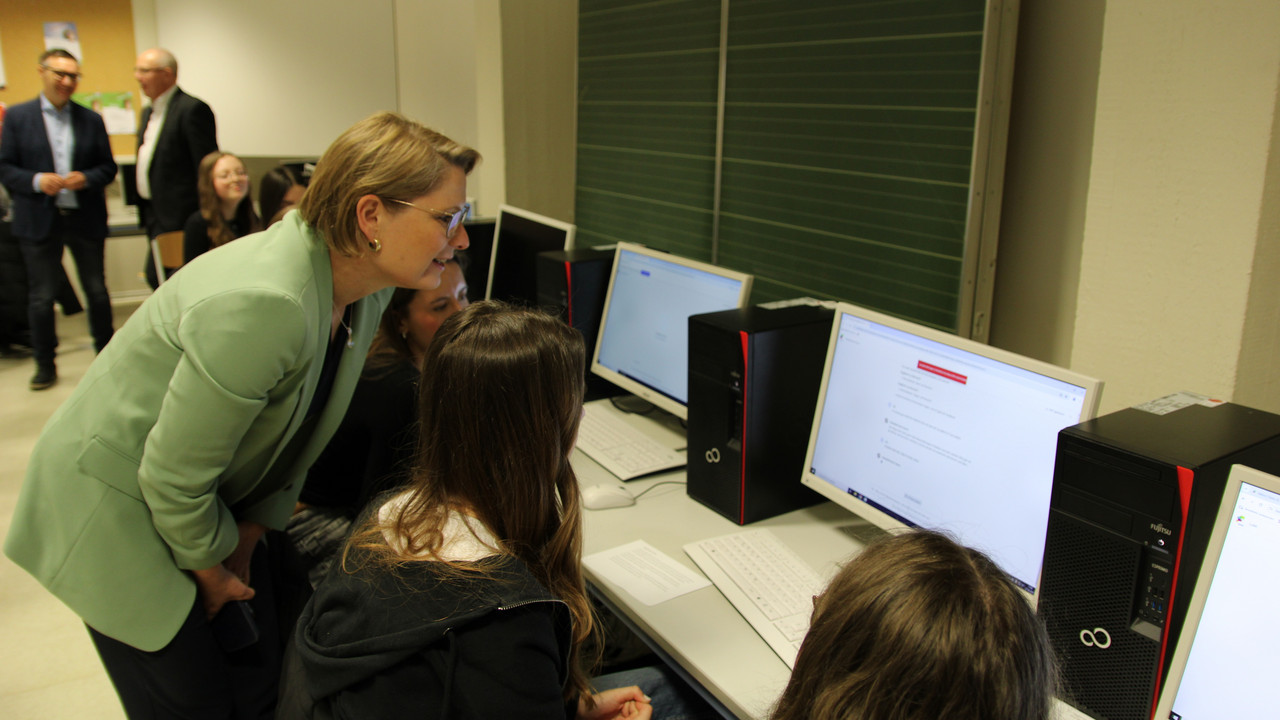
226 211
463 595
372 450
918 627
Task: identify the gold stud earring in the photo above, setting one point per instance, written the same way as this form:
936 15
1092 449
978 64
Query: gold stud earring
375 245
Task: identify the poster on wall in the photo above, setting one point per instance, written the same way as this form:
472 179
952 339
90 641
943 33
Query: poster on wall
3 84
63 35
116 109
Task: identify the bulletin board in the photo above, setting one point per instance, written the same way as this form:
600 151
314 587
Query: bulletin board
105 28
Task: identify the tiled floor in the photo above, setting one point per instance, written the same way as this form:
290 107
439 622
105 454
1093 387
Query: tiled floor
48 668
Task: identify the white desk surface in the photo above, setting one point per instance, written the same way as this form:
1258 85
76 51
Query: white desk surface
701 630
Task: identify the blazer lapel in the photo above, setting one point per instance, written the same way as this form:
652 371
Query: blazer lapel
365 316
142 124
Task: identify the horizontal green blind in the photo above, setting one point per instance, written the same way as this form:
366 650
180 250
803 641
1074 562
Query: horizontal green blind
847 142
647 75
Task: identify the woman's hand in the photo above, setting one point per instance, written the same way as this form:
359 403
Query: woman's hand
218 586
627 703
238 561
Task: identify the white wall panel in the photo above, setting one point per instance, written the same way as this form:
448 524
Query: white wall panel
284 77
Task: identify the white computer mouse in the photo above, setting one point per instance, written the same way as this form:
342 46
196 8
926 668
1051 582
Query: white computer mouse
599 497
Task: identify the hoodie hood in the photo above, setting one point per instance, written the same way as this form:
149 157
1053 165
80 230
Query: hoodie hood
359 624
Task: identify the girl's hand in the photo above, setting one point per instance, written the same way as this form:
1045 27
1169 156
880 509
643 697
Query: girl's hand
627 703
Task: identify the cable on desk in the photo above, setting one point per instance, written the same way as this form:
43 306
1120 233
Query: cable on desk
659 484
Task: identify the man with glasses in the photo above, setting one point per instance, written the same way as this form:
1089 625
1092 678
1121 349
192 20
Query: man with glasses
176 132
56 161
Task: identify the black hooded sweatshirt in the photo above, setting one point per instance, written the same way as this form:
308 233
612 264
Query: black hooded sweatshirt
377 644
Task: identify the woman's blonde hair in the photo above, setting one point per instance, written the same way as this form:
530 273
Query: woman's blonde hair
387 155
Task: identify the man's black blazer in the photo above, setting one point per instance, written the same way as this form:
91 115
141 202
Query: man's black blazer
25 151
189 133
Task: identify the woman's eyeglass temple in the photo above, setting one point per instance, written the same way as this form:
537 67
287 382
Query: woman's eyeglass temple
451 220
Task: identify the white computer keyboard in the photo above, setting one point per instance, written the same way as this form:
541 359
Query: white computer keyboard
765 581
621 448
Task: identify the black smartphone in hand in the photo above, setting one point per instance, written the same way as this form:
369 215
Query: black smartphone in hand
234 627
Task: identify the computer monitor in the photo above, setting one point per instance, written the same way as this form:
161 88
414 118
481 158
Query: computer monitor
916 427
480 249
643 345
518 237
1224 663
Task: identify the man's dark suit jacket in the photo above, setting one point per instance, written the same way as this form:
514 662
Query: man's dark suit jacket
25 151
189 133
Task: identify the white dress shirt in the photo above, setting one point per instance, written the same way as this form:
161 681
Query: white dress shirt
62 141
159 110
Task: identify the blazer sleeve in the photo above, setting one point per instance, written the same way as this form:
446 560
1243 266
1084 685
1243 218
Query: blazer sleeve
14 173
100 166
237 348
200 131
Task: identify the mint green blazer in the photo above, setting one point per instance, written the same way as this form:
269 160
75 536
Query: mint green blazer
188 421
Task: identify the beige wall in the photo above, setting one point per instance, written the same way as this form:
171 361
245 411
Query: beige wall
452 84
1258 380
1185 114
1138 242
1047 177
540 60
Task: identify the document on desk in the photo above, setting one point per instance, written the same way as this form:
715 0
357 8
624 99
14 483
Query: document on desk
645 571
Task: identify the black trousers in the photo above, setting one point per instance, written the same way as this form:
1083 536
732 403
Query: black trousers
46 277
191 677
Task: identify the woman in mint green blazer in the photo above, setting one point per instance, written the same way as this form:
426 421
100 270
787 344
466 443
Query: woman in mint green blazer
189 436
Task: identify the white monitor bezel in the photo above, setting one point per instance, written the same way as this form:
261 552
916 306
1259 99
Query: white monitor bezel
1236 479
889 523
570 230
634 387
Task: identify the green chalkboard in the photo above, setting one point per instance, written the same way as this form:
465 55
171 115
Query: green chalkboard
838 160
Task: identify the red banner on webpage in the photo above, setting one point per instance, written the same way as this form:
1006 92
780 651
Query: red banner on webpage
942 372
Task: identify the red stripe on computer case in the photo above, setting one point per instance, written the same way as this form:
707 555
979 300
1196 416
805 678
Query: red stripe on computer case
942 372
742 465
1186 479
568 289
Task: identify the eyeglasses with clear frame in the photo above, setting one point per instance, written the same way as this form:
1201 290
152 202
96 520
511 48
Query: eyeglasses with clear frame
451 220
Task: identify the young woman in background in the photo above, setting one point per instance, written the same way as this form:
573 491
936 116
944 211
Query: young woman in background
226 212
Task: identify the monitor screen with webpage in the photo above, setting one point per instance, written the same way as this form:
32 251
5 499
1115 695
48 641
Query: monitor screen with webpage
916 427
644 337
518 237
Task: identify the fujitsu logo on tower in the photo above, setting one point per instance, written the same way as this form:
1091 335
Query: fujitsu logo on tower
1162 529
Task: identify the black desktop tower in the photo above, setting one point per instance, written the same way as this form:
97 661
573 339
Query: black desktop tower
573 283
1135 494
753 385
